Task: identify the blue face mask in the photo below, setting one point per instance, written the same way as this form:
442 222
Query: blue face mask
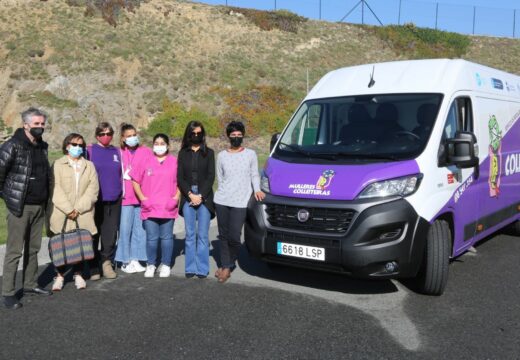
75 151
132 141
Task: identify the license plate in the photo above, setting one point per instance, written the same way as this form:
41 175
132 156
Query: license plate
301 251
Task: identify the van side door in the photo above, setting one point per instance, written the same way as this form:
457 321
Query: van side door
465 204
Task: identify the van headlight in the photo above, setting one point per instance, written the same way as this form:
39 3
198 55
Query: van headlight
264 184
402 186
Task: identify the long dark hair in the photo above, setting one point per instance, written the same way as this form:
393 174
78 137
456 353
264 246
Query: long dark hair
192 125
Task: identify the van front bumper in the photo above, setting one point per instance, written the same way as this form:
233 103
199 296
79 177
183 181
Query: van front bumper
383 239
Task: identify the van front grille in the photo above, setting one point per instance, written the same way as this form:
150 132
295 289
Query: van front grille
319 219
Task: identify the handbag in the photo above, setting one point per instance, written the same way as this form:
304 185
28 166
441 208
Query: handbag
71 247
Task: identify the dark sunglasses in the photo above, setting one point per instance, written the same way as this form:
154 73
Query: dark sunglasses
76 144
105 134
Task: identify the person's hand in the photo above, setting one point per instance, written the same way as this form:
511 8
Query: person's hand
144 199
259 195
73 215
195 200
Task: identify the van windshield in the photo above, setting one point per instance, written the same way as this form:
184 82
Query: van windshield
360 128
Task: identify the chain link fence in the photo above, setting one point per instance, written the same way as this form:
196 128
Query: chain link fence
466 19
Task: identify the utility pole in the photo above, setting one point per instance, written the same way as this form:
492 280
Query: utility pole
436 15
363 13
307 80
514 22
399 15
474 16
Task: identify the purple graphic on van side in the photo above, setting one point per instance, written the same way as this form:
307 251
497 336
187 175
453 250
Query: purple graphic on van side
332 182
474 205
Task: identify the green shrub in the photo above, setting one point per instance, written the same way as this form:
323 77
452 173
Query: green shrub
418 42
263 109
175 117
283 20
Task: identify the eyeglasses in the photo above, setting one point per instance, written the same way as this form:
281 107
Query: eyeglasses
76 144
105 134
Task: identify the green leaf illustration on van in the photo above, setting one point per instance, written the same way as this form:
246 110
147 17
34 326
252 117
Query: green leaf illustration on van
495 156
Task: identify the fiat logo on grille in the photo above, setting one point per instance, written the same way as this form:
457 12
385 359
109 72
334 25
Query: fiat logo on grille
303 215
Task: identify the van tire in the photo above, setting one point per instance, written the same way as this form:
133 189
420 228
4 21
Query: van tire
433 276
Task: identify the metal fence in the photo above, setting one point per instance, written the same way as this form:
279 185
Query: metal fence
464 19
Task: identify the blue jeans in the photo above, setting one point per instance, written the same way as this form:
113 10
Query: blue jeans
196 220
159 230
131 244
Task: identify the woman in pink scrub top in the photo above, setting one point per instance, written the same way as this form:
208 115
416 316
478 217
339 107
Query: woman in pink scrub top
131 244
155 184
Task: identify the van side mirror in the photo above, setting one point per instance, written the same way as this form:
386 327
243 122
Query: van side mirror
461 150
274 140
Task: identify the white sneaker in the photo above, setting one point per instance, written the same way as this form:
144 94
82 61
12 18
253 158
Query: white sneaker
129 268
79 282
164 271
58 283
137 266
150 271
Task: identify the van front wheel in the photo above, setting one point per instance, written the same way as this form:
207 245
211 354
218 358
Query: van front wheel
433 276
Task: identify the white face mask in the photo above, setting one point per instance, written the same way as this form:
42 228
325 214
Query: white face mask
160 149
132 141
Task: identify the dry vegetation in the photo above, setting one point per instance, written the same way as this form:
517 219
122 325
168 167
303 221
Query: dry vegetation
168 60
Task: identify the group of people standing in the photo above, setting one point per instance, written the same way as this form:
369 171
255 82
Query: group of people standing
127 197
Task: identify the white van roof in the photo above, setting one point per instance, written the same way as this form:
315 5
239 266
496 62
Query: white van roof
416 76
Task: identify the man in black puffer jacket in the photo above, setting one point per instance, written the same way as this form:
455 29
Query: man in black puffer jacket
24 186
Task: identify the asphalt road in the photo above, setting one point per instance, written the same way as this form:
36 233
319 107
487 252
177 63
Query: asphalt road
282 313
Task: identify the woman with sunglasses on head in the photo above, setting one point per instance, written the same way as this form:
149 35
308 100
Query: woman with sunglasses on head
131 244
155 184
74 186
238 179
107 160
195 175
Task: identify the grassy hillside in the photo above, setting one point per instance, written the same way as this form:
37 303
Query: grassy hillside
189 58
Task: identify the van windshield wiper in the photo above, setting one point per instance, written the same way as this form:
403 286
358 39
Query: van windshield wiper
295 148
366 156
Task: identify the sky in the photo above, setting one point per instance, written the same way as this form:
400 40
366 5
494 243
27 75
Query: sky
492 17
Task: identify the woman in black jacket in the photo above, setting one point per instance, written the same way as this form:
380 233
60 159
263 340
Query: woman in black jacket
195 177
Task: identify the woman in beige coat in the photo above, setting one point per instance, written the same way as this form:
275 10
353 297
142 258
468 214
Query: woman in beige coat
75 190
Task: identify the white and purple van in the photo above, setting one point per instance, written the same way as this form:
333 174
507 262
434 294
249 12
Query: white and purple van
390 170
